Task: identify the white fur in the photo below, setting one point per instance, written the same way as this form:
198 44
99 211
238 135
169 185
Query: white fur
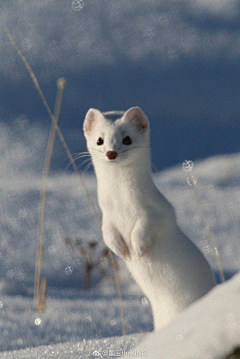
138 223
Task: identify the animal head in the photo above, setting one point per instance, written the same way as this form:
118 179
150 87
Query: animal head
122 141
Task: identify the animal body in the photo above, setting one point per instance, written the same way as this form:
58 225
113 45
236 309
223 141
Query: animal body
138 223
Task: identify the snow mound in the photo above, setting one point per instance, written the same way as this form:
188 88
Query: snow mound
208 329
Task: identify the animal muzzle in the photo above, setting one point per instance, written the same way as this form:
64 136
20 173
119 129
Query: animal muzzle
111 155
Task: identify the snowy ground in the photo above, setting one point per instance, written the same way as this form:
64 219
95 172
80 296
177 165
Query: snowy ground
81 321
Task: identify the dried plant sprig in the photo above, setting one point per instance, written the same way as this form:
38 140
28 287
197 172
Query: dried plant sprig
87 256
188 167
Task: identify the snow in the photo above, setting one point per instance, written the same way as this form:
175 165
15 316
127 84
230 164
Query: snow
208 329
81 350
67 318
78 322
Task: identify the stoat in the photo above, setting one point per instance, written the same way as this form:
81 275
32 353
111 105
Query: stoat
138 223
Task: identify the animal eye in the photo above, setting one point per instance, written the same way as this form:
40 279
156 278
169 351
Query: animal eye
100 141
127 140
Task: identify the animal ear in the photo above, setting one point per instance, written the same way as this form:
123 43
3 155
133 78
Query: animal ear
136 116
90 119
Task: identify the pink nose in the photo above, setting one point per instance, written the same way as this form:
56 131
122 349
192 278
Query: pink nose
111 155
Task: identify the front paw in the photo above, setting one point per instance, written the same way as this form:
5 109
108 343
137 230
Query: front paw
114 240
140 247
141 238
119 247
124 252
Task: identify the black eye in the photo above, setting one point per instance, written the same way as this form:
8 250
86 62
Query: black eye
100 141
127 140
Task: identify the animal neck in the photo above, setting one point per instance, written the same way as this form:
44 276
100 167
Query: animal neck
128 181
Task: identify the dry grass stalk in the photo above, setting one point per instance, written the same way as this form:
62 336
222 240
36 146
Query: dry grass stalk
42 298
41 215
61 137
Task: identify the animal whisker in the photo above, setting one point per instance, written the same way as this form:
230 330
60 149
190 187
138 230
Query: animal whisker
87 167
86 161
82 156
79 156
134 148
94 149
80 153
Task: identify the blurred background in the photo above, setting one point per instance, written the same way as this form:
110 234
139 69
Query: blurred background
176 59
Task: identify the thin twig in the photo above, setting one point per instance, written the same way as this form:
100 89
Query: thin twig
42 298
41 215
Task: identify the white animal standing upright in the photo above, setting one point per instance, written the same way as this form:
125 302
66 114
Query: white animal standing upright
138 223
